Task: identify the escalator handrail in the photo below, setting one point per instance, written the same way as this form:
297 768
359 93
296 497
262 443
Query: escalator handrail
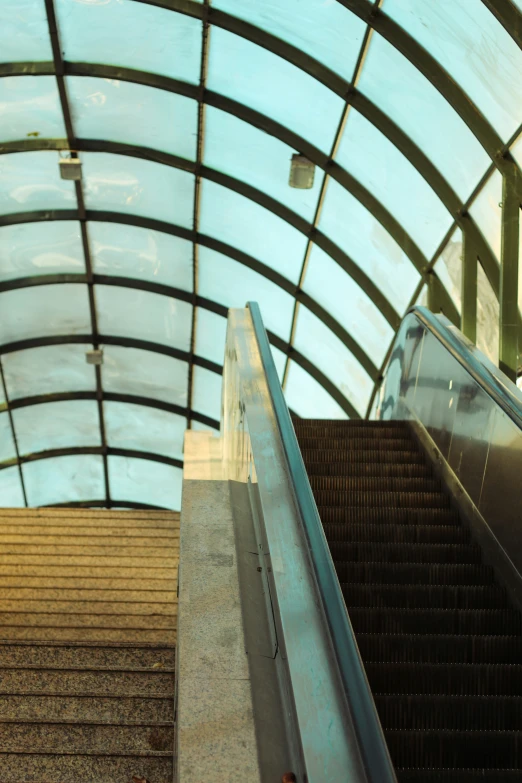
374 751
492 380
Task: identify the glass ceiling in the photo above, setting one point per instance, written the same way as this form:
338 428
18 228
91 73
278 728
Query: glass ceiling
185 115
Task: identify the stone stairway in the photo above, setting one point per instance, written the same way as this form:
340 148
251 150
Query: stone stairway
88 612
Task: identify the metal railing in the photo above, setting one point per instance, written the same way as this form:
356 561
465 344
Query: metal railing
339 731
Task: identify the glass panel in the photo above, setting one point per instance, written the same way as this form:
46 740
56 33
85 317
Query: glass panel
469 42
11 495
7 446
307 398
362 237
48 370
24 32
30 106
136 35
144 373
139 187
44 310
211 333
31 180
249 154
251 228
64 479
487 317
228 282
315 341
449 268
337 292
326 31
279 361
256 77
408 98
144 429
140 253
144 481
206 392
129 312
57 425
42 248
133 114
381 168
487 212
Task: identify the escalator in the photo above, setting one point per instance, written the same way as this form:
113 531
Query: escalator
440 639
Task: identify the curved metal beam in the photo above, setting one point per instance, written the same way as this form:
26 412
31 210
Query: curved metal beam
130 399
206 241
98 451
113 504
175 353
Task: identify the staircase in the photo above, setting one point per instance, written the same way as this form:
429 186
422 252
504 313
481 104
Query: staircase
88 613
440 641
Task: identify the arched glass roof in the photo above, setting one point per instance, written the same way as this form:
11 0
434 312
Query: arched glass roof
185 115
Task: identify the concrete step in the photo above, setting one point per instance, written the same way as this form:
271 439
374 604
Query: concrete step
43 582
166 559
83 537
123 606
79 620
23 594
69 682
77 633
104 551
108 531
111 709
93 656
76 514
84 571
85 738
41 768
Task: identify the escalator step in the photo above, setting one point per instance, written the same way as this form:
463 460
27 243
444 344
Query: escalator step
449 648
352 515
408 534
359 444
458 679
459 775
481 622
491 713
375 484
338 431
373 469
405 553
415 573
332 497
482 749
423 597
368 455
349 424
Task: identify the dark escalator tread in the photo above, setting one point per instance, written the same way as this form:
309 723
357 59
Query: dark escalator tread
405 553
353 424
369 455
480 749
399 534
338 431
390 516
375 484
444 648
335 497
370 469
415 573
424 596
430 711
457 679
358 444
459 775
479 622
